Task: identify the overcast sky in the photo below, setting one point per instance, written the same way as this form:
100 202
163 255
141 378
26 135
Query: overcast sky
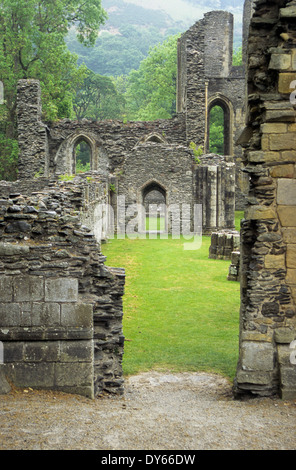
179 9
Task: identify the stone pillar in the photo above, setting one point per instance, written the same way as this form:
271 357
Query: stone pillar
268 261
215 190
32 134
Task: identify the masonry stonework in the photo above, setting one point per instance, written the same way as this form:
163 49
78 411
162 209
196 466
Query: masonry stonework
268 269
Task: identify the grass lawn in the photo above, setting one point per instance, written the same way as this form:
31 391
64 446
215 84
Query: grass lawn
180 312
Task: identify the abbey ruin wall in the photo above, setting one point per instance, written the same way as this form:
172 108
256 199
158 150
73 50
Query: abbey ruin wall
268 263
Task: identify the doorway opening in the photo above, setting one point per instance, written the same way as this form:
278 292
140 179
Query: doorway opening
154 202
219 128
82 157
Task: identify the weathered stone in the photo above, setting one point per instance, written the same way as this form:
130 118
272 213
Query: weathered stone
260 212
79 315
286 193
274 261
288 12
291 256
61 290
257 356
284 335
280 61
285 80
285 141
283 171
28 288
287 215
4 385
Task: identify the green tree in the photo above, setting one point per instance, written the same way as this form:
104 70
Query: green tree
237 58
98 99
216 144
151 90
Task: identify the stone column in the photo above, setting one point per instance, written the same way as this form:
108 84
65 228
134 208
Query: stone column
268 271
32 134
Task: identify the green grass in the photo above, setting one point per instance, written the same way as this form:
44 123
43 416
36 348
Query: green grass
238 216
180 312
155 223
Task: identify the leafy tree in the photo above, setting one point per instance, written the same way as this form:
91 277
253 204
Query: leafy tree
216 144
98 98
151 90
32 45
237 58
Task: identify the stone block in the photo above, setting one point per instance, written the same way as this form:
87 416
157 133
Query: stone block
288 377
77 315
288 12
288 156
77 351
72 374
28 288
286 141
291 276
280 62
284 335
10 314
4 385
294 60
273 128
289 235
257 356
285 80
41 351
291 256
10 249
287 215
286 193
61 290
283 171
274 262
46 314
35 375
6 288
260 212
13 351
256 156
253 377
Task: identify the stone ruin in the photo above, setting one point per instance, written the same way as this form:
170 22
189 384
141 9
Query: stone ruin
60 305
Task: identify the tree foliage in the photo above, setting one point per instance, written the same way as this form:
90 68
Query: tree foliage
151 90
32 45
97 98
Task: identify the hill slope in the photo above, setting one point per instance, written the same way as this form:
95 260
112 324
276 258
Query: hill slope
132 28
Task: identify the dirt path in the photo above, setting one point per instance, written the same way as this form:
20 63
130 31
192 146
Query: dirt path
189 411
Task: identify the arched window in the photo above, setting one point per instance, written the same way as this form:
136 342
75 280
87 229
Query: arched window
216 130
154 201
82 156
219 127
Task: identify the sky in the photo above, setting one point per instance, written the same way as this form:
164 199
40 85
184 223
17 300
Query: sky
180 9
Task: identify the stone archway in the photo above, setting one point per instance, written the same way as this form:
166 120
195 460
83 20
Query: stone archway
154 199
65 158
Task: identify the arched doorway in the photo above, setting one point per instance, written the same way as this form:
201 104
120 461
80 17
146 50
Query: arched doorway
154 203
219 126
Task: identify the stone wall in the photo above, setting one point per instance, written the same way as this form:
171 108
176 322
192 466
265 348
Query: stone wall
207 78
163 167
61 307
32 132
268 263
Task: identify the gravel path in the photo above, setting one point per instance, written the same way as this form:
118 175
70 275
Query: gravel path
159 411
